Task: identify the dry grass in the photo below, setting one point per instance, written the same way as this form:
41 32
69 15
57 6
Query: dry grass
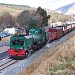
59 55
4 9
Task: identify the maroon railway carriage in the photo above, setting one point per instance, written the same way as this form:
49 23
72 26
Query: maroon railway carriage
66 28
58 31
55 33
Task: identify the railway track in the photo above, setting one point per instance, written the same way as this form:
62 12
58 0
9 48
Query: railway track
3 58
6 63
3 55
4 44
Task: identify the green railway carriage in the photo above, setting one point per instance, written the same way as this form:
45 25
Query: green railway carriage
22 45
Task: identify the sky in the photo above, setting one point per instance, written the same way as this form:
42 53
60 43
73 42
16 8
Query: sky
49 4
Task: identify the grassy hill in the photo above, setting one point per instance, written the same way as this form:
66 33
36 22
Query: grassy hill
16 7
55 17
13 9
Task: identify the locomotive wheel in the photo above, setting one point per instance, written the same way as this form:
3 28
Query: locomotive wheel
27 54
34 47
45 42
40 46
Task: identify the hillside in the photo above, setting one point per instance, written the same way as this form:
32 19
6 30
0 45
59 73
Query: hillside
55 16
13 9
67 9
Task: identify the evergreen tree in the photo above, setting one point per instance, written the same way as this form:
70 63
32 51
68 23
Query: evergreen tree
44 15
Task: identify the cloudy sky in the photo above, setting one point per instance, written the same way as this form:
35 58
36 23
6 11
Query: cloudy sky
49 4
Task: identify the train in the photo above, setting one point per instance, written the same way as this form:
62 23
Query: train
24 45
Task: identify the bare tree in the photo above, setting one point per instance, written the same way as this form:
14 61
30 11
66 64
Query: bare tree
29 19
7 20
24 18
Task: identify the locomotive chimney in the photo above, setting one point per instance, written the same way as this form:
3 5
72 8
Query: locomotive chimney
27 31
